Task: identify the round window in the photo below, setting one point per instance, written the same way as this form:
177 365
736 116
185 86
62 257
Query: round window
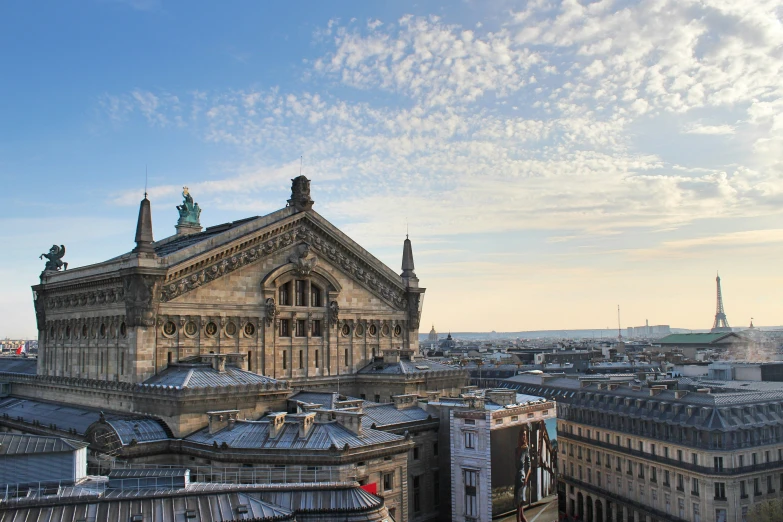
231 329
169 328
373 329
123 329
397 331
385 330
211 329
102 330
346 329
250 329
359 330
191 328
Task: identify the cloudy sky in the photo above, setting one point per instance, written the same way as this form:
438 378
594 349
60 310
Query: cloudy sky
552 159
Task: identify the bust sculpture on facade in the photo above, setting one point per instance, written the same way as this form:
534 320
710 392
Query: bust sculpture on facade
189 211
54 258
303 260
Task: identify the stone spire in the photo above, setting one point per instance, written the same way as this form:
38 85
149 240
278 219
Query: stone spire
407 260
144 238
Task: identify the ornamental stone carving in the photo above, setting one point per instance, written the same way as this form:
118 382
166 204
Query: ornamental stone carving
317 242
303 260
270 311
140 302
334 312
300 194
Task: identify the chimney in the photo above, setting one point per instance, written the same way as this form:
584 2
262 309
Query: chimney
276 423
473 402
219 363
655 390
679 394
433 396
502 396
703 390
144 238
305 421
402 402
391 356
219 420
349 419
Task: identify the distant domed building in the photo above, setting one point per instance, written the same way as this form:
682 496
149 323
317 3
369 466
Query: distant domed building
433 337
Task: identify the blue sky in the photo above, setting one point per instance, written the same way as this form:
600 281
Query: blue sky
553 159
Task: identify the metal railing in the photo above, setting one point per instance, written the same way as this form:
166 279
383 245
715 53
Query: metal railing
251 475
707 470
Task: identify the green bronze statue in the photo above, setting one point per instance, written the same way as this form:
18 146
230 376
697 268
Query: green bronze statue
189 211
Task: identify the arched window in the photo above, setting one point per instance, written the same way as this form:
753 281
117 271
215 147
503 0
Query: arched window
315 296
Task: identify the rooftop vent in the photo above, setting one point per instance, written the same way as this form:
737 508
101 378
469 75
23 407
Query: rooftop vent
242 508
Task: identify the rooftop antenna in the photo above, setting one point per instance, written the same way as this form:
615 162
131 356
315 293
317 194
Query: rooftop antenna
407 229
619 330
301 164
145 181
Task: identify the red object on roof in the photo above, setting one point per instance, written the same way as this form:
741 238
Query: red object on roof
371 488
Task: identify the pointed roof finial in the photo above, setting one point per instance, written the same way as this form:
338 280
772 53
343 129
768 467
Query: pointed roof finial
407 259
144 238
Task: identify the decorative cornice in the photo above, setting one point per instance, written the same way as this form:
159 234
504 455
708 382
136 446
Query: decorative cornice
265 244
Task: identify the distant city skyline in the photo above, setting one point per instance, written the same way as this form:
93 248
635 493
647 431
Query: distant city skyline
550 160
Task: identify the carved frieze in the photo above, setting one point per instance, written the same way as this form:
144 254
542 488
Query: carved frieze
99 296
317 241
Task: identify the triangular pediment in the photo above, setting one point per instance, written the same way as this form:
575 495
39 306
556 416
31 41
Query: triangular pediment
200 261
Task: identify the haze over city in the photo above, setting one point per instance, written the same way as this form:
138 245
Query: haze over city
549 160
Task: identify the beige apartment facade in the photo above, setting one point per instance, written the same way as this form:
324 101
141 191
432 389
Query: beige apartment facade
647 451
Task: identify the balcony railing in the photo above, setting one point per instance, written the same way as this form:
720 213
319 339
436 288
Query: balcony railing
708 470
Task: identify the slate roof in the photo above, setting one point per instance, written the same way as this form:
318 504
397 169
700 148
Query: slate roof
178 243
19 444
201 375
325 399
730 405
322 436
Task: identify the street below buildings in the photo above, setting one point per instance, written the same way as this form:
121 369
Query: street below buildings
545 511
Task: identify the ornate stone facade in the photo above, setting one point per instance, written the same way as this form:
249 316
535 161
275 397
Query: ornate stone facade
289 291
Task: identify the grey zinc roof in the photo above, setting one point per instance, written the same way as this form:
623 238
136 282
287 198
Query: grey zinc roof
78 419
208 507
27 365
406 367
18 444
142 430
352 499
322 436
325 399
197 375
387 415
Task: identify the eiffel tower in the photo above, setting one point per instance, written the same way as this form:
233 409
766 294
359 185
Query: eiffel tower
721 323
